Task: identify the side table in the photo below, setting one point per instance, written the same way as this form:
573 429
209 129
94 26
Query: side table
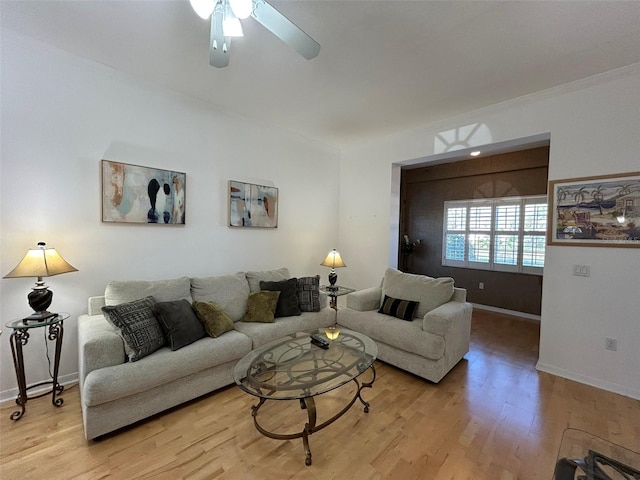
18 339
334 292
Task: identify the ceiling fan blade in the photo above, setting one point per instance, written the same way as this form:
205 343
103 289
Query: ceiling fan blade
285 30
218 44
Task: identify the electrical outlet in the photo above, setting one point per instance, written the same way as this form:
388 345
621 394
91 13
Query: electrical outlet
611 344
481 286
582 270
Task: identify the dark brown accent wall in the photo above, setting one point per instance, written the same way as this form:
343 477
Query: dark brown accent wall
423 193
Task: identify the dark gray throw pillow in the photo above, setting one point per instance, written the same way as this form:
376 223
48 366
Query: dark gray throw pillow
136 323
288 300
403 309
179 323
309 293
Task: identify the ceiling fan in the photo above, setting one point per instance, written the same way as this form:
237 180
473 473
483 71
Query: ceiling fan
225 23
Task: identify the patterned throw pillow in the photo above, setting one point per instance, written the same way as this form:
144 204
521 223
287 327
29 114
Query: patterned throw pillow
179 323
261 307
288 299
403 309
136 323
309 294
214 319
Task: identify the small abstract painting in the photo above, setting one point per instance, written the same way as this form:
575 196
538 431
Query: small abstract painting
595 211
252 205
135 194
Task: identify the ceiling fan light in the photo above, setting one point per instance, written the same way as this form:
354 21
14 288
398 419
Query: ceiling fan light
241 8
204 8
231 26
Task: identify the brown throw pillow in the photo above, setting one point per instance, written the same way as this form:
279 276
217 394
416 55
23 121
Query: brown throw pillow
261 306
213 318
288 300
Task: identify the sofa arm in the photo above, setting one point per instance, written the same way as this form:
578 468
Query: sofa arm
95 305
365 300
99 345
449 318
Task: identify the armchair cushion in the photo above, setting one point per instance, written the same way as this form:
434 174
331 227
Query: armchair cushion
365 300
429 292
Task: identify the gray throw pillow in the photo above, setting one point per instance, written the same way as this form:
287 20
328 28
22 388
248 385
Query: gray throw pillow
288 301
309 294
136 323
179 323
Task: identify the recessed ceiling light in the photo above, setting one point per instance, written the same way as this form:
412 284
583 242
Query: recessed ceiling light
475 153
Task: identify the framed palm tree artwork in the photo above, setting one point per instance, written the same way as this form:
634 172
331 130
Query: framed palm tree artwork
599 211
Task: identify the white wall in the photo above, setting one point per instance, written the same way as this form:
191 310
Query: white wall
62 114
594 126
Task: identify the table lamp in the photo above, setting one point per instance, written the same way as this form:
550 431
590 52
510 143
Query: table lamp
334 261
40 262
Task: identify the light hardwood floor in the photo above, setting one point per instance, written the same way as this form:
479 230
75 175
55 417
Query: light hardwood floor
493 417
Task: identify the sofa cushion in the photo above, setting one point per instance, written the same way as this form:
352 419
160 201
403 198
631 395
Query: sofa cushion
162 368
429 292
136 323
309 294
403 309
254 278
288 300
230 292
118 292
179 323
261 307
214 319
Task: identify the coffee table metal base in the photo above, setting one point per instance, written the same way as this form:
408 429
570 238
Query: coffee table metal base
309 404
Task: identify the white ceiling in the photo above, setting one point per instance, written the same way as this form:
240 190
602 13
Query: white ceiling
384 66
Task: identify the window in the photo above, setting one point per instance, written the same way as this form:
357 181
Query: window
503 234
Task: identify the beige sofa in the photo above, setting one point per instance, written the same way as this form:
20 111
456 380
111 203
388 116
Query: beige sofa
115 392
433 341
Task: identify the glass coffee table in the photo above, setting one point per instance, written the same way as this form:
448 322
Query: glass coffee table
293 368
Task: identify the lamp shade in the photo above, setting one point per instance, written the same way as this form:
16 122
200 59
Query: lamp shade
41 262
333 260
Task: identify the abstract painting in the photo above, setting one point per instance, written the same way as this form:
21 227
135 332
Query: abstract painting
252 205
135 194
595 211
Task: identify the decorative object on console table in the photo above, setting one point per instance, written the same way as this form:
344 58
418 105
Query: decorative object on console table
252 205
18 339
40 262
135 194
334 261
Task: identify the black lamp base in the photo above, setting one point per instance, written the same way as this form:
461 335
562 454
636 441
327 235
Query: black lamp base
39 298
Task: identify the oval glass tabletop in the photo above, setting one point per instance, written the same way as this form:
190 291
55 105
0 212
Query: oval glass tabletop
294 368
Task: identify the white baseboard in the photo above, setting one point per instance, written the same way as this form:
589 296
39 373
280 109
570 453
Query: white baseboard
12 394
585 379
528 316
